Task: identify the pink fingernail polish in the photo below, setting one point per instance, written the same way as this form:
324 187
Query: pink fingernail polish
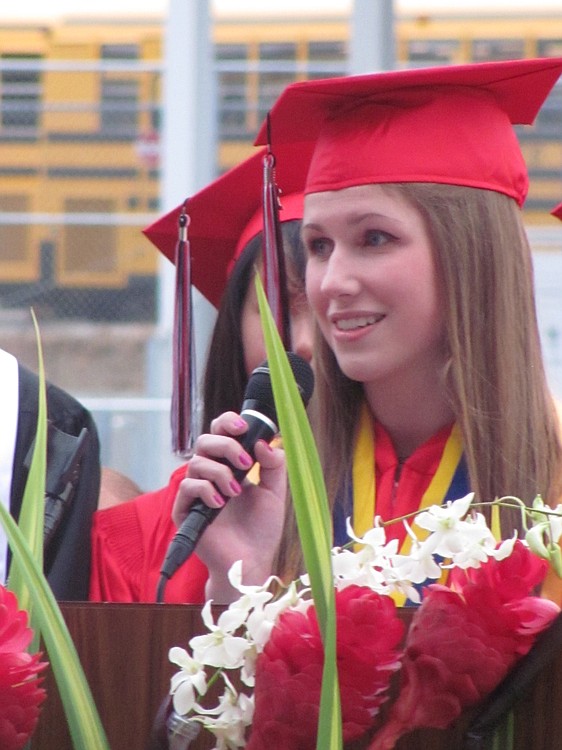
235 487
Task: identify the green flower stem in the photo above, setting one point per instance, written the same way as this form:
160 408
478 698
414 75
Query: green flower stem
507 501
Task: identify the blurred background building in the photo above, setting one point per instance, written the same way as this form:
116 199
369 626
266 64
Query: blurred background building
81 142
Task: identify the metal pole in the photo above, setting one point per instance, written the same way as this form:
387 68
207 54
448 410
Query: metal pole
372 37
189 130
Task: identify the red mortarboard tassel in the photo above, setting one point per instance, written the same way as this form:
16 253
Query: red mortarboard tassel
183 388
273 255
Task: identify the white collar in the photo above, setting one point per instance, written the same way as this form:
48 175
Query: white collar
9 402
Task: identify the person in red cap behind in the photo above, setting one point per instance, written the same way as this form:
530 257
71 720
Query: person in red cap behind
130 540
429 376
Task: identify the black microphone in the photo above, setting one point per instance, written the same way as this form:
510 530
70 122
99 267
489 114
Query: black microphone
258 410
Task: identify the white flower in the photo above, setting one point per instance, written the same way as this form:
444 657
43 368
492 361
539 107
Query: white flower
452 537
443 522
233 715
366 565
219 648
395 584
262 619
185 684
252 596
373 540
416 567
504 549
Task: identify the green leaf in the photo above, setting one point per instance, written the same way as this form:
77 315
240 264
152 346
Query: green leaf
32 511
312 512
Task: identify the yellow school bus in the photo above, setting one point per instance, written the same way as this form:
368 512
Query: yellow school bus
80 128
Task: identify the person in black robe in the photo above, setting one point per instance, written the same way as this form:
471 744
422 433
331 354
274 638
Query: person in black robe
72 482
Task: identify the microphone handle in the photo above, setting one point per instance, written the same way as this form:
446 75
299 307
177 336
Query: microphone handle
200 515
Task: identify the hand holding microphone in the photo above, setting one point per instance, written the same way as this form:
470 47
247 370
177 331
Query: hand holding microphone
258 410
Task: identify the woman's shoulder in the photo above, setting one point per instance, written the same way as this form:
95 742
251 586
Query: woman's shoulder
137 510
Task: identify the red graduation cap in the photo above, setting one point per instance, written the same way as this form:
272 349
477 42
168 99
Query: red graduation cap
449 125
227 214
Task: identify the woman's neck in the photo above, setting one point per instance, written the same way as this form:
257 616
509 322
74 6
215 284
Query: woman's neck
410 412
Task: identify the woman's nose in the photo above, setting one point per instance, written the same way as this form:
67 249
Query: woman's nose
338 277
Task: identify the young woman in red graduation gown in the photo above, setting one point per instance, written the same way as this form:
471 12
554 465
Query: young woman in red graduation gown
430 381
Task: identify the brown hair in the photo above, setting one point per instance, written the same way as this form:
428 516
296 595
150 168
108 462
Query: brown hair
494 379
225 373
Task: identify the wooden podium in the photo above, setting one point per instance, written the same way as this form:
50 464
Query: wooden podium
124 653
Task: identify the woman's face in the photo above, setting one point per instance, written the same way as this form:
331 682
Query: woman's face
371 282
300 318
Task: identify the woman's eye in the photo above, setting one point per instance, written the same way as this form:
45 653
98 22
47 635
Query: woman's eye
376 238
318 246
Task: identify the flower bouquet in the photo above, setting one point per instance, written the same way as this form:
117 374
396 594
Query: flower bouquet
279 663
464 637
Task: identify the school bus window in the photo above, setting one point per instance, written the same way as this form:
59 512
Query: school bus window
497 49
21 93
119 105
326 59
277 70
232 86
549 121
549 48
119 52
14 238
432 51
88 250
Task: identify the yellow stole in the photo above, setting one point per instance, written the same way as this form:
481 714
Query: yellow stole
364 482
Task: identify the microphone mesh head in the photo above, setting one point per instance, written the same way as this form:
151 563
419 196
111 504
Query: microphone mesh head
259 390
303 375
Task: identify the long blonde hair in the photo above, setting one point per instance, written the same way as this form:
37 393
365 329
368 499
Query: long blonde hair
495 378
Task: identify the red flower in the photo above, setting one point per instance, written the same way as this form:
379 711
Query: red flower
462 642
289 671
20 691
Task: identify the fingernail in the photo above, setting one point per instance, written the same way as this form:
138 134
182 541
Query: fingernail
219 500
245 459
235 487
240 423
267 445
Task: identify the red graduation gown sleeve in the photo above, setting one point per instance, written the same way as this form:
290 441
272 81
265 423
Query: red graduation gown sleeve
129 543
